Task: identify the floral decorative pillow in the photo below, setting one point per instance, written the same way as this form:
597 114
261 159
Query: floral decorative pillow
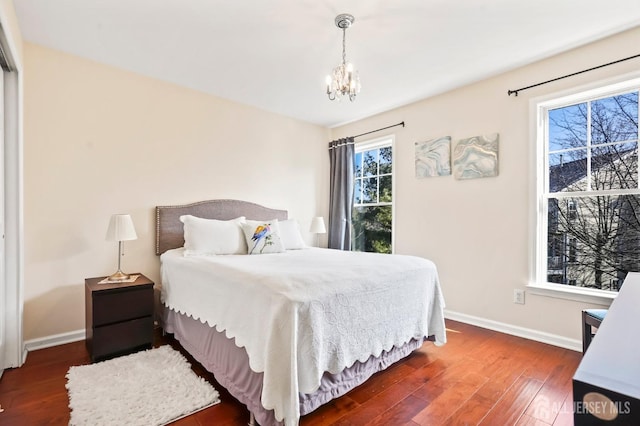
262 236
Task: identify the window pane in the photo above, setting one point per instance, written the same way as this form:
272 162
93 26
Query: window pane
371 224
614 119
614 166
370 162
568 127
385 189
370 190
358 164
385 160
371 229
594 241
357 192
553 217
568 171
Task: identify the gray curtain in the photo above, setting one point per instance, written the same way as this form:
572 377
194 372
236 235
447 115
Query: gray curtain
342 159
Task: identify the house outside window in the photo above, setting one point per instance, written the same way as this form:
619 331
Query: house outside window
588 197
372 216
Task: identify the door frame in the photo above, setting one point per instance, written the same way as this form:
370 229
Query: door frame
13 254
14 350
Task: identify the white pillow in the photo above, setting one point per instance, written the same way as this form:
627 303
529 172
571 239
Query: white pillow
290 235
262 236
211 236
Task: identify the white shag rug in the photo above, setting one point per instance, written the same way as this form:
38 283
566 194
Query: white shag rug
153 387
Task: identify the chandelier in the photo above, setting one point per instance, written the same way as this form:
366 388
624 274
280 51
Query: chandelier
344 80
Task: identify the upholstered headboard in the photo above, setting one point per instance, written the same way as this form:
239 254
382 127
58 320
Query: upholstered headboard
169 230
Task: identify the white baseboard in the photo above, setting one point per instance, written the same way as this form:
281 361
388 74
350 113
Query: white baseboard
54 340
527 333
514 330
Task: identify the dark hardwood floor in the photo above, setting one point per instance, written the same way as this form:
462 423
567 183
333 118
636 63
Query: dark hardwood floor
479 377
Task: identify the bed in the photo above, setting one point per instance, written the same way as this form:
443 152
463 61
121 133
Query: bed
287 332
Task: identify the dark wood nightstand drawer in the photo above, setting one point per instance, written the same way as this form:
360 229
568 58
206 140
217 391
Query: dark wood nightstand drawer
121 337
115 306
119 316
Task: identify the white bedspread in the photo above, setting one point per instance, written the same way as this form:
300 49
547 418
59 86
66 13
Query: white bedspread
304 312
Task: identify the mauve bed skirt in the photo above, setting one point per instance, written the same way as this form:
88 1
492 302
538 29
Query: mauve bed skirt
230 366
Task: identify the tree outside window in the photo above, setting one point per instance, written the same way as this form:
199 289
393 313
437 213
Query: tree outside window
592 193
373 198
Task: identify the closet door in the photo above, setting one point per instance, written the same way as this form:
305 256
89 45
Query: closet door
3 281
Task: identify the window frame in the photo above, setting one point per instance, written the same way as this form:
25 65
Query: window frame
538 111
377 143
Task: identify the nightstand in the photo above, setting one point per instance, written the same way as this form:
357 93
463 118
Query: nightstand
119 317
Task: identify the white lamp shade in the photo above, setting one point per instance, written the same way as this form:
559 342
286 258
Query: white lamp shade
317 225
121 228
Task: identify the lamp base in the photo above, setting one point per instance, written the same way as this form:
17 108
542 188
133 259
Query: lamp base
118 276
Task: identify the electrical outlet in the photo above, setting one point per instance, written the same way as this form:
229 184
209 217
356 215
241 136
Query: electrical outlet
518 296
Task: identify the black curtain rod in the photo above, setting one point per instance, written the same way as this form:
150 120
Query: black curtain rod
515 92
384 128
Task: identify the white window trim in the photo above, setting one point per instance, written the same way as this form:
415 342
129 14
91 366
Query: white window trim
381 142
537 283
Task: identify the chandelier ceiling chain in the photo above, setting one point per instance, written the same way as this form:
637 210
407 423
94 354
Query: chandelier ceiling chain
344 45
344 80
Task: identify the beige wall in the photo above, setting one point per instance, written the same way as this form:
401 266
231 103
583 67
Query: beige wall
99 140
477 231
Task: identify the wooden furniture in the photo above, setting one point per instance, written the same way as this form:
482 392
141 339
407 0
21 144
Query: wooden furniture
590 318
119 317
606 385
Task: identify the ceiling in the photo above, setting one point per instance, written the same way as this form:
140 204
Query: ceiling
275 54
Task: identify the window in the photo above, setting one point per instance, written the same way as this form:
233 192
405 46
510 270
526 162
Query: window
572 209
588 197
573 250
373 197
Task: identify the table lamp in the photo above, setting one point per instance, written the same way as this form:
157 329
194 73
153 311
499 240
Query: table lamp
317 227
120 229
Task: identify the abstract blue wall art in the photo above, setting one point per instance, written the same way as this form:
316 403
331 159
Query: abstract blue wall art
433 157
476 157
